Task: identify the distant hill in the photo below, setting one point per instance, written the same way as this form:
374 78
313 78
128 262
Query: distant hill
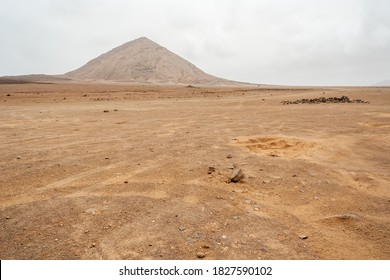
143 60
385 83
33 78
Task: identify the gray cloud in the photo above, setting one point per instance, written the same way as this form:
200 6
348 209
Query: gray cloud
343 42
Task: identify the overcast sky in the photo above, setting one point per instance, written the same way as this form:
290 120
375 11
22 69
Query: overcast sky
292 42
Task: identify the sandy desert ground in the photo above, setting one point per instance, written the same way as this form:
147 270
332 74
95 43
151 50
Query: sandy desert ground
137 181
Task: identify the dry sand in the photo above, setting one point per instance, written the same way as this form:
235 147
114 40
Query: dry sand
132 183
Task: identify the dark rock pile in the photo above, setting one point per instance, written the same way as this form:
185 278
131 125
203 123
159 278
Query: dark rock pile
342 99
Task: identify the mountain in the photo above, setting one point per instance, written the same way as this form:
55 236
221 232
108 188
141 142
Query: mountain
143 60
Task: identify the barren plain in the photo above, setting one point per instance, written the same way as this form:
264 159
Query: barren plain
119 171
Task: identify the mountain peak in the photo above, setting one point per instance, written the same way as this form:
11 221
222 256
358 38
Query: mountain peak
143 60
143 39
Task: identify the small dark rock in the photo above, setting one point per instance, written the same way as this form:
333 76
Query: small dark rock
229 156
348 217
106 111
302 236
211 169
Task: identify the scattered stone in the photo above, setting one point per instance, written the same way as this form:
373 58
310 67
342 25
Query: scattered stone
267 181
7 217
342 99
92 211
18 157
229 156
237 176
256 209
126 182
8 94
106 158
205 246
106 111
231 166
240 191
302 236
181 228
211 169
200 255
93 245
264 248
115 110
